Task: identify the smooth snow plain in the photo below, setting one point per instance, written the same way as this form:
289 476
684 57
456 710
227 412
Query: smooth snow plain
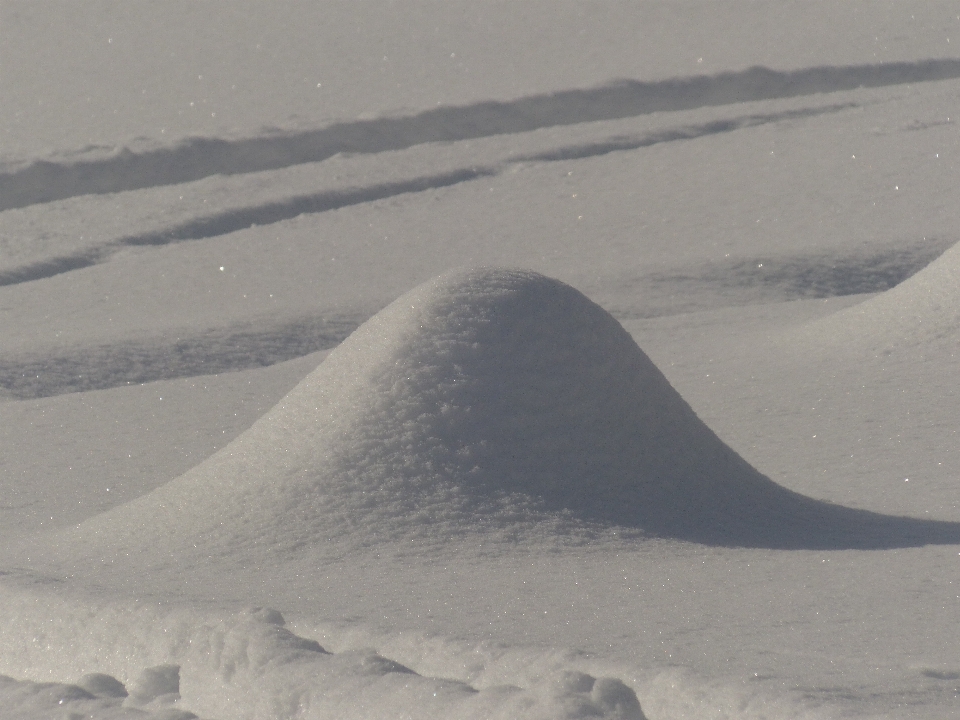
479 360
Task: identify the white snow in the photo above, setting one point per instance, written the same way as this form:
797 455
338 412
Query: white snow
494 404
265 453
248 665
920 315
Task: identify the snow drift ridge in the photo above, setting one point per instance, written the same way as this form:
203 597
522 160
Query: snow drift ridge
489 401
922 310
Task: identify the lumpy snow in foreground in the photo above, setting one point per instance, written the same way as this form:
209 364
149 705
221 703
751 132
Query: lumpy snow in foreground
250 666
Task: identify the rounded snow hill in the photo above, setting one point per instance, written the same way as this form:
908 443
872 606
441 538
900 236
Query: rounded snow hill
923 310
487 401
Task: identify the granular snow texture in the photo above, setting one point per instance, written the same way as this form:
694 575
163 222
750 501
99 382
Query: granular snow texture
493 402
922 311
248 665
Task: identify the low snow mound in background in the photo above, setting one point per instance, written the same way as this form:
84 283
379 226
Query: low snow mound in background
494 402
922 310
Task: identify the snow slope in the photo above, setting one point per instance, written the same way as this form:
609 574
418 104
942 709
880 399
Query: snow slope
919 315
483 402
197 205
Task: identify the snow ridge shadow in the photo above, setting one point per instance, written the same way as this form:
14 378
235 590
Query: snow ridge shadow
738 282
747 281
234 219
45 180
213 351
690 132
238 219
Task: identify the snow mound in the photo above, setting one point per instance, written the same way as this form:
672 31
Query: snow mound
923 310
487 401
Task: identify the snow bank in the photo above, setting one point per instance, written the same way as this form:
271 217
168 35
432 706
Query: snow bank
923 310
485 402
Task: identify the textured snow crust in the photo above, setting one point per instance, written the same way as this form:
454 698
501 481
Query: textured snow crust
178 664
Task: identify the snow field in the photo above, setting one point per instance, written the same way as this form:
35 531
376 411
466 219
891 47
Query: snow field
187 193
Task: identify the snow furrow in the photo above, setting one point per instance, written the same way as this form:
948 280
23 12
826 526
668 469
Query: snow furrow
280 201
236 219
44 180
221 350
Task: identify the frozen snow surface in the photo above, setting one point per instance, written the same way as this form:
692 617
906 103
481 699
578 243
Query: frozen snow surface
479 360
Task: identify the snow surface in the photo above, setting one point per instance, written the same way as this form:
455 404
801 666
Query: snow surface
919 314
484 402
240 478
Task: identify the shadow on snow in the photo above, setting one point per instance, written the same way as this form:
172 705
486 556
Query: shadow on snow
44 181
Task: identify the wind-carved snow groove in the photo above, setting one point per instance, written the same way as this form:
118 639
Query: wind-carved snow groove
823 276
57 265
736 282
45 180
691 132
237 219
222 350
233 219
747 281
227 222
